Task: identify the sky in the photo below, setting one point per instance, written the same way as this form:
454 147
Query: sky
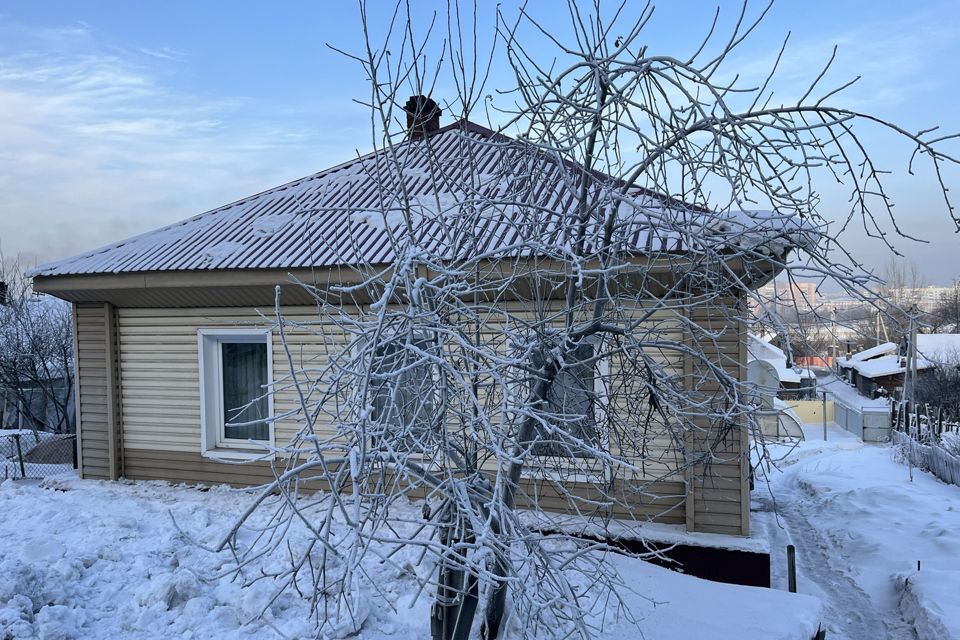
117 117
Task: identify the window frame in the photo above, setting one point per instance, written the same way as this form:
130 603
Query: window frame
422 338
578 464
213 442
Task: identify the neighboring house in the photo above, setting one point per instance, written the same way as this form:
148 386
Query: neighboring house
166 319
30 406
795 383
880 370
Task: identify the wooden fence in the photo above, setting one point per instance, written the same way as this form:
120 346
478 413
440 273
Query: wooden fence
930 437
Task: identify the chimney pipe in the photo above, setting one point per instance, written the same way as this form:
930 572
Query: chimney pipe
423 116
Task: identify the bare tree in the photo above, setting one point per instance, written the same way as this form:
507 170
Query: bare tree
36 355
553 311
945 317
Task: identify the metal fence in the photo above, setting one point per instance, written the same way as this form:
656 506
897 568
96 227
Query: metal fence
36 454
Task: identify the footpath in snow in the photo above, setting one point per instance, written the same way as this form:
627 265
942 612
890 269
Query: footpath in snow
89 559
860 527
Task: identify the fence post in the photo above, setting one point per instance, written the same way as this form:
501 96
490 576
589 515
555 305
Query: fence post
791 568
23 471
76 453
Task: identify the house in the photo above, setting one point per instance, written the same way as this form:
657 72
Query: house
880 370
159 316
794 383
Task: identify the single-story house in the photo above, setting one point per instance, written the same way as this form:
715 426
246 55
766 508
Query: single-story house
163 320
880 370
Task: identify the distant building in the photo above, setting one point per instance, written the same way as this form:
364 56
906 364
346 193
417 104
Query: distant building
880 370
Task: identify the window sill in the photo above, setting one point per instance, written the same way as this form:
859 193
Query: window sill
237 455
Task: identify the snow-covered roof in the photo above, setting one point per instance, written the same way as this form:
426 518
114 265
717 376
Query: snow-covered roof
471 192
883 349
884 359
760 349
887 366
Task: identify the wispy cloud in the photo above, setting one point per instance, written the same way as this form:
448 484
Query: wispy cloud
894 59
97 146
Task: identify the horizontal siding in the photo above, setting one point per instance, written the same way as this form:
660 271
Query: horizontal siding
193 468
160 390
159 361
719 498
92 376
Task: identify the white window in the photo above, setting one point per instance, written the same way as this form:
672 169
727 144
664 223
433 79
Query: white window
575 407
403 390
236 404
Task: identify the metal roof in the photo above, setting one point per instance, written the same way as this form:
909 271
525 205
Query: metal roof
468 190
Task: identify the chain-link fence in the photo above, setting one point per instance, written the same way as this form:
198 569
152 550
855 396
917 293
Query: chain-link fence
36 454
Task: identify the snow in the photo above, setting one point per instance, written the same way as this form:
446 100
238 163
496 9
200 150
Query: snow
887 366
92 559
882 349
933 345
222 250
883 359
759 349
860 526
848 395
655 532
269 225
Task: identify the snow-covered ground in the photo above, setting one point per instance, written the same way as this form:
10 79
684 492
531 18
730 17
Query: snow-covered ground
89 559
860 526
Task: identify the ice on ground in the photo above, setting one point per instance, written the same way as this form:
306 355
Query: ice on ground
89 559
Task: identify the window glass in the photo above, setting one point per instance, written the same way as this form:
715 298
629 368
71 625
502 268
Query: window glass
571 408
244 378
403 392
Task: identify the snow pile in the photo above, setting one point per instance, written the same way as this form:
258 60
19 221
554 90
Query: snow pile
88 559
927 598
860 526
269 225
222 251
848 395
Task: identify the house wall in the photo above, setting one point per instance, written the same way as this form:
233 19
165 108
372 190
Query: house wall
96 388
719 487
158 410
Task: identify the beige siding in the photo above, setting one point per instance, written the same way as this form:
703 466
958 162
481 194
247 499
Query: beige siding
718 497
160 364
160 391
96 391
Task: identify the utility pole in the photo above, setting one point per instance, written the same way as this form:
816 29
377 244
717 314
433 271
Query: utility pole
835 350
909 380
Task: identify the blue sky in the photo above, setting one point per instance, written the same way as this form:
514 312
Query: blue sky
118 117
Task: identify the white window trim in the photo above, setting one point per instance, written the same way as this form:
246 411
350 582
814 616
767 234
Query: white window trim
537 468
212 444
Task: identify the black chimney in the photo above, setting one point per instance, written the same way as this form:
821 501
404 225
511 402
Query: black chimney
423 116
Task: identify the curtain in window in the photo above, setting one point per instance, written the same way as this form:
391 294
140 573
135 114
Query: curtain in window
244 390
402 393
571 407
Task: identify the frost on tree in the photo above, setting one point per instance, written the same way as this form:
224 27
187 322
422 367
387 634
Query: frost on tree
531 333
